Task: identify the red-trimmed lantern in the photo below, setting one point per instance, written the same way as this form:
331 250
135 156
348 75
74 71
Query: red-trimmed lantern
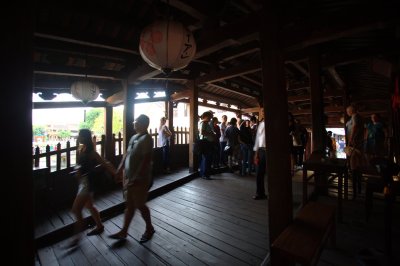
167 45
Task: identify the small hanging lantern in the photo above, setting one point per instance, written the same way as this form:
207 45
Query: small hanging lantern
85 91
167 45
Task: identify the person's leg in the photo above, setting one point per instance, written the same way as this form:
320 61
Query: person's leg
96 217
260 189
166 158
145 211
202 165
223 156
128 215
148 234
77 208
250 159
301 156
207 166
244 157
216 155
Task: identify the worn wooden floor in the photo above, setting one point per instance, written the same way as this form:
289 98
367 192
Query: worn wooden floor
50 219
217 223
203 222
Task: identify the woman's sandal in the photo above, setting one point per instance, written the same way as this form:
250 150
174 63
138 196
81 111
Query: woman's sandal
117 236
147 236
73 243
96 231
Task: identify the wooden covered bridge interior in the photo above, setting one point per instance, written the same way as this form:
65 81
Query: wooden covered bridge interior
310 58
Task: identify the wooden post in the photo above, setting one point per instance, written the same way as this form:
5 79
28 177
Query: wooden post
129 96
193 98
16 115
275 102
58 160
37 158
109 143
317 104
171 121
48 162
317 118
68 154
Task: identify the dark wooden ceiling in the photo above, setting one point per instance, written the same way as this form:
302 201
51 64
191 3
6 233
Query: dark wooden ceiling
358 44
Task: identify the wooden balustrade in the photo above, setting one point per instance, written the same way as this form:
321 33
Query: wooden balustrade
63 155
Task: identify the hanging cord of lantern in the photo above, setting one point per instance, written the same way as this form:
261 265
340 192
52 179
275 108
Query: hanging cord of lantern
167 71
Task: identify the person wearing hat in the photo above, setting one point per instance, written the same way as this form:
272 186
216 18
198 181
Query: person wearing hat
137 178
206 132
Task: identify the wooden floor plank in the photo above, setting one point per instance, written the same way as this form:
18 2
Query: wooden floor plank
104 249
262 229
162 251
211 232
250 225
62 255
46 256
223 258
181 243
169 245
206 238
240 233
130 252
236 212
194 225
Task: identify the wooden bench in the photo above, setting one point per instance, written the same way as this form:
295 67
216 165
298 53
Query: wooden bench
302 241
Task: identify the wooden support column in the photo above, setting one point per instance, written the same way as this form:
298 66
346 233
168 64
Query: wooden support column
170 115
129 96
16 137
110 148
317 119
193 123
317 104
279 180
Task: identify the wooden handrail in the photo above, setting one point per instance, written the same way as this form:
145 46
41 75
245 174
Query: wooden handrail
180 136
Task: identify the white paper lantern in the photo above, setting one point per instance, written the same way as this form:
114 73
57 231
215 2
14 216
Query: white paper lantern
85 91
167 45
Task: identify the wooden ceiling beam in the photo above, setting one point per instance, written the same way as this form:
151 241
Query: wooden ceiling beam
77 72
252 80
196 12
58 43
328 109
336 59
173 76
218 98
54 105
248 48
151 85
141 73
218 38
301 98
323 28
177 96
233 90
228 73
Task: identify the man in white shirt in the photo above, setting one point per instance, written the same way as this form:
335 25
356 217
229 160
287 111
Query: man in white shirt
260 161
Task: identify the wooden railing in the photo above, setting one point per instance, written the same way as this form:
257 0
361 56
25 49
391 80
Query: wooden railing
67 156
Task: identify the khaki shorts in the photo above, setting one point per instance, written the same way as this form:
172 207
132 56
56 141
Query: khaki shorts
356 159
136 194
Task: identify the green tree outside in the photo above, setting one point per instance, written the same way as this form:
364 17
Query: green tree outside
90 119
95 121
38 131
64 134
